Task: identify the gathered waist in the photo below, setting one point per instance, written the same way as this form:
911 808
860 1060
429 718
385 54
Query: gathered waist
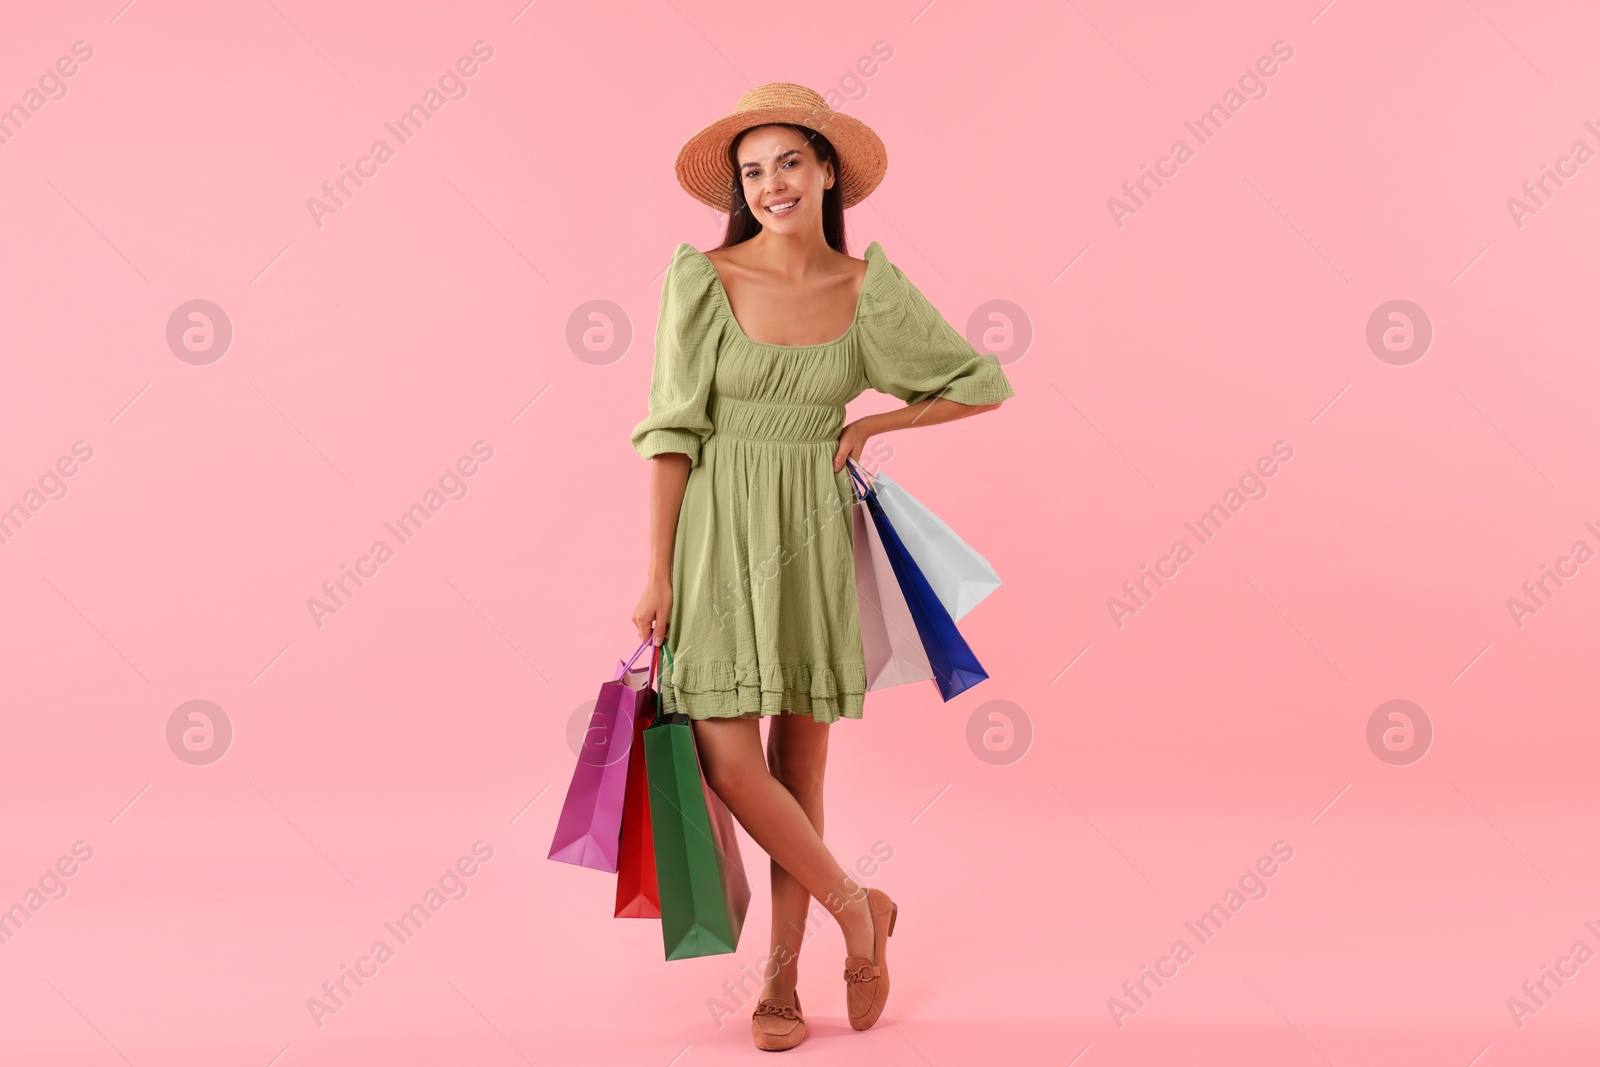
771 420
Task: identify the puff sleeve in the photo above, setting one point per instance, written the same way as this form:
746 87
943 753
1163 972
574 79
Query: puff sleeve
912 353
688 329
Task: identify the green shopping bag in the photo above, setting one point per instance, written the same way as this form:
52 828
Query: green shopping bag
699 871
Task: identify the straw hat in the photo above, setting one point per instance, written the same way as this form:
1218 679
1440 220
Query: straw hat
703 169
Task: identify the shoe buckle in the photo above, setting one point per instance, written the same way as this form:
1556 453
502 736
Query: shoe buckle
864 973
773 1007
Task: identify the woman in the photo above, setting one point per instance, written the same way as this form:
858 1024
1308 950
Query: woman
751 579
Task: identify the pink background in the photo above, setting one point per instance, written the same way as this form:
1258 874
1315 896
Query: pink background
434 310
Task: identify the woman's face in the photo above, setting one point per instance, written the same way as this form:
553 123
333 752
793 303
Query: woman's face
778 168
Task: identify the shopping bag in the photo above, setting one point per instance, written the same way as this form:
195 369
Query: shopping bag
955 668
890 644
637 896
960 577
634 676
700 876
590 824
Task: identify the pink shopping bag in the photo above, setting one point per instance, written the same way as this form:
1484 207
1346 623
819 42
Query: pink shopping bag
890 643
589 829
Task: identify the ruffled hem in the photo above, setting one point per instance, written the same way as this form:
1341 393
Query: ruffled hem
725 690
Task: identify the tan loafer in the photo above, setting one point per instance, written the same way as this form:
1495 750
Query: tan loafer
777 1024
867 981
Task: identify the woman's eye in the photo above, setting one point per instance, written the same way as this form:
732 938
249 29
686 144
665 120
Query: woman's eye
755 175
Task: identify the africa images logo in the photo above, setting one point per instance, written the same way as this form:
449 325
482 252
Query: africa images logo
1252 85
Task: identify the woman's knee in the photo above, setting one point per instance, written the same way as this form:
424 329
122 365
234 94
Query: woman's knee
729 767
801 772
727 782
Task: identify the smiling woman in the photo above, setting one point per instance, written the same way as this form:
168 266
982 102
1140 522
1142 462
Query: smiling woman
760 345
784 173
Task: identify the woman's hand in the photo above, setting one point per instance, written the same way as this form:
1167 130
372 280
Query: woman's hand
851 440
654 610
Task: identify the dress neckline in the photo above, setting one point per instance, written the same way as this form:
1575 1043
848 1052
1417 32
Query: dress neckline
722 293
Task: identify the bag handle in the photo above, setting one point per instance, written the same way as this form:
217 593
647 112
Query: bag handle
651 711
626 667
629 665
858 478
661 650
662 717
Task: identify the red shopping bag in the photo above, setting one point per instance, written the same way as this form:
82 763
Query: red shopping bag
637 895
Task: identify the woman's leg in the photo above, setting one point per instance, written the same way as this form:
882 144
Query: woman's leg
797 753
730 754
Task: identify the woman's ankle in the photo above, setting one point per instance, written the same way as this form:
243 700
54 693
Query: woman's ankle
855 922
781 984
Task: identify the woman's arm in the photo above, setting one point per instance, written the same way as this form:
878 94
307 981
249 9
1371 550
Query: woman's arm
669 475
928 412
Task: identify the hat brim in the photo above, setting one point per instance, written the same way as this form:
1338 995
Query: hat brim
702 163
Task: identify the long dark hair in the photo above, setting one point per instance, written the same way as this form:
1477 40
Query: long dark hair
742 224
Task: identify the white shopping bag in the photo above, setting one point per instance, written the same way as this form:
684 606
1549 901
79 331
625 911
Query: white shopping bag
960 577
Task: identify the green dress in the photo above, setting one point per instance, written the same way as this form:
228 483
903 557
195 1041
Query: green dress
764 614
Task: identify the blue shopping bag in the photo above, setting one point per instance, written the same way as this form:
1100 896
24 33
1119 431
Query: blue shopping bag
955 668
